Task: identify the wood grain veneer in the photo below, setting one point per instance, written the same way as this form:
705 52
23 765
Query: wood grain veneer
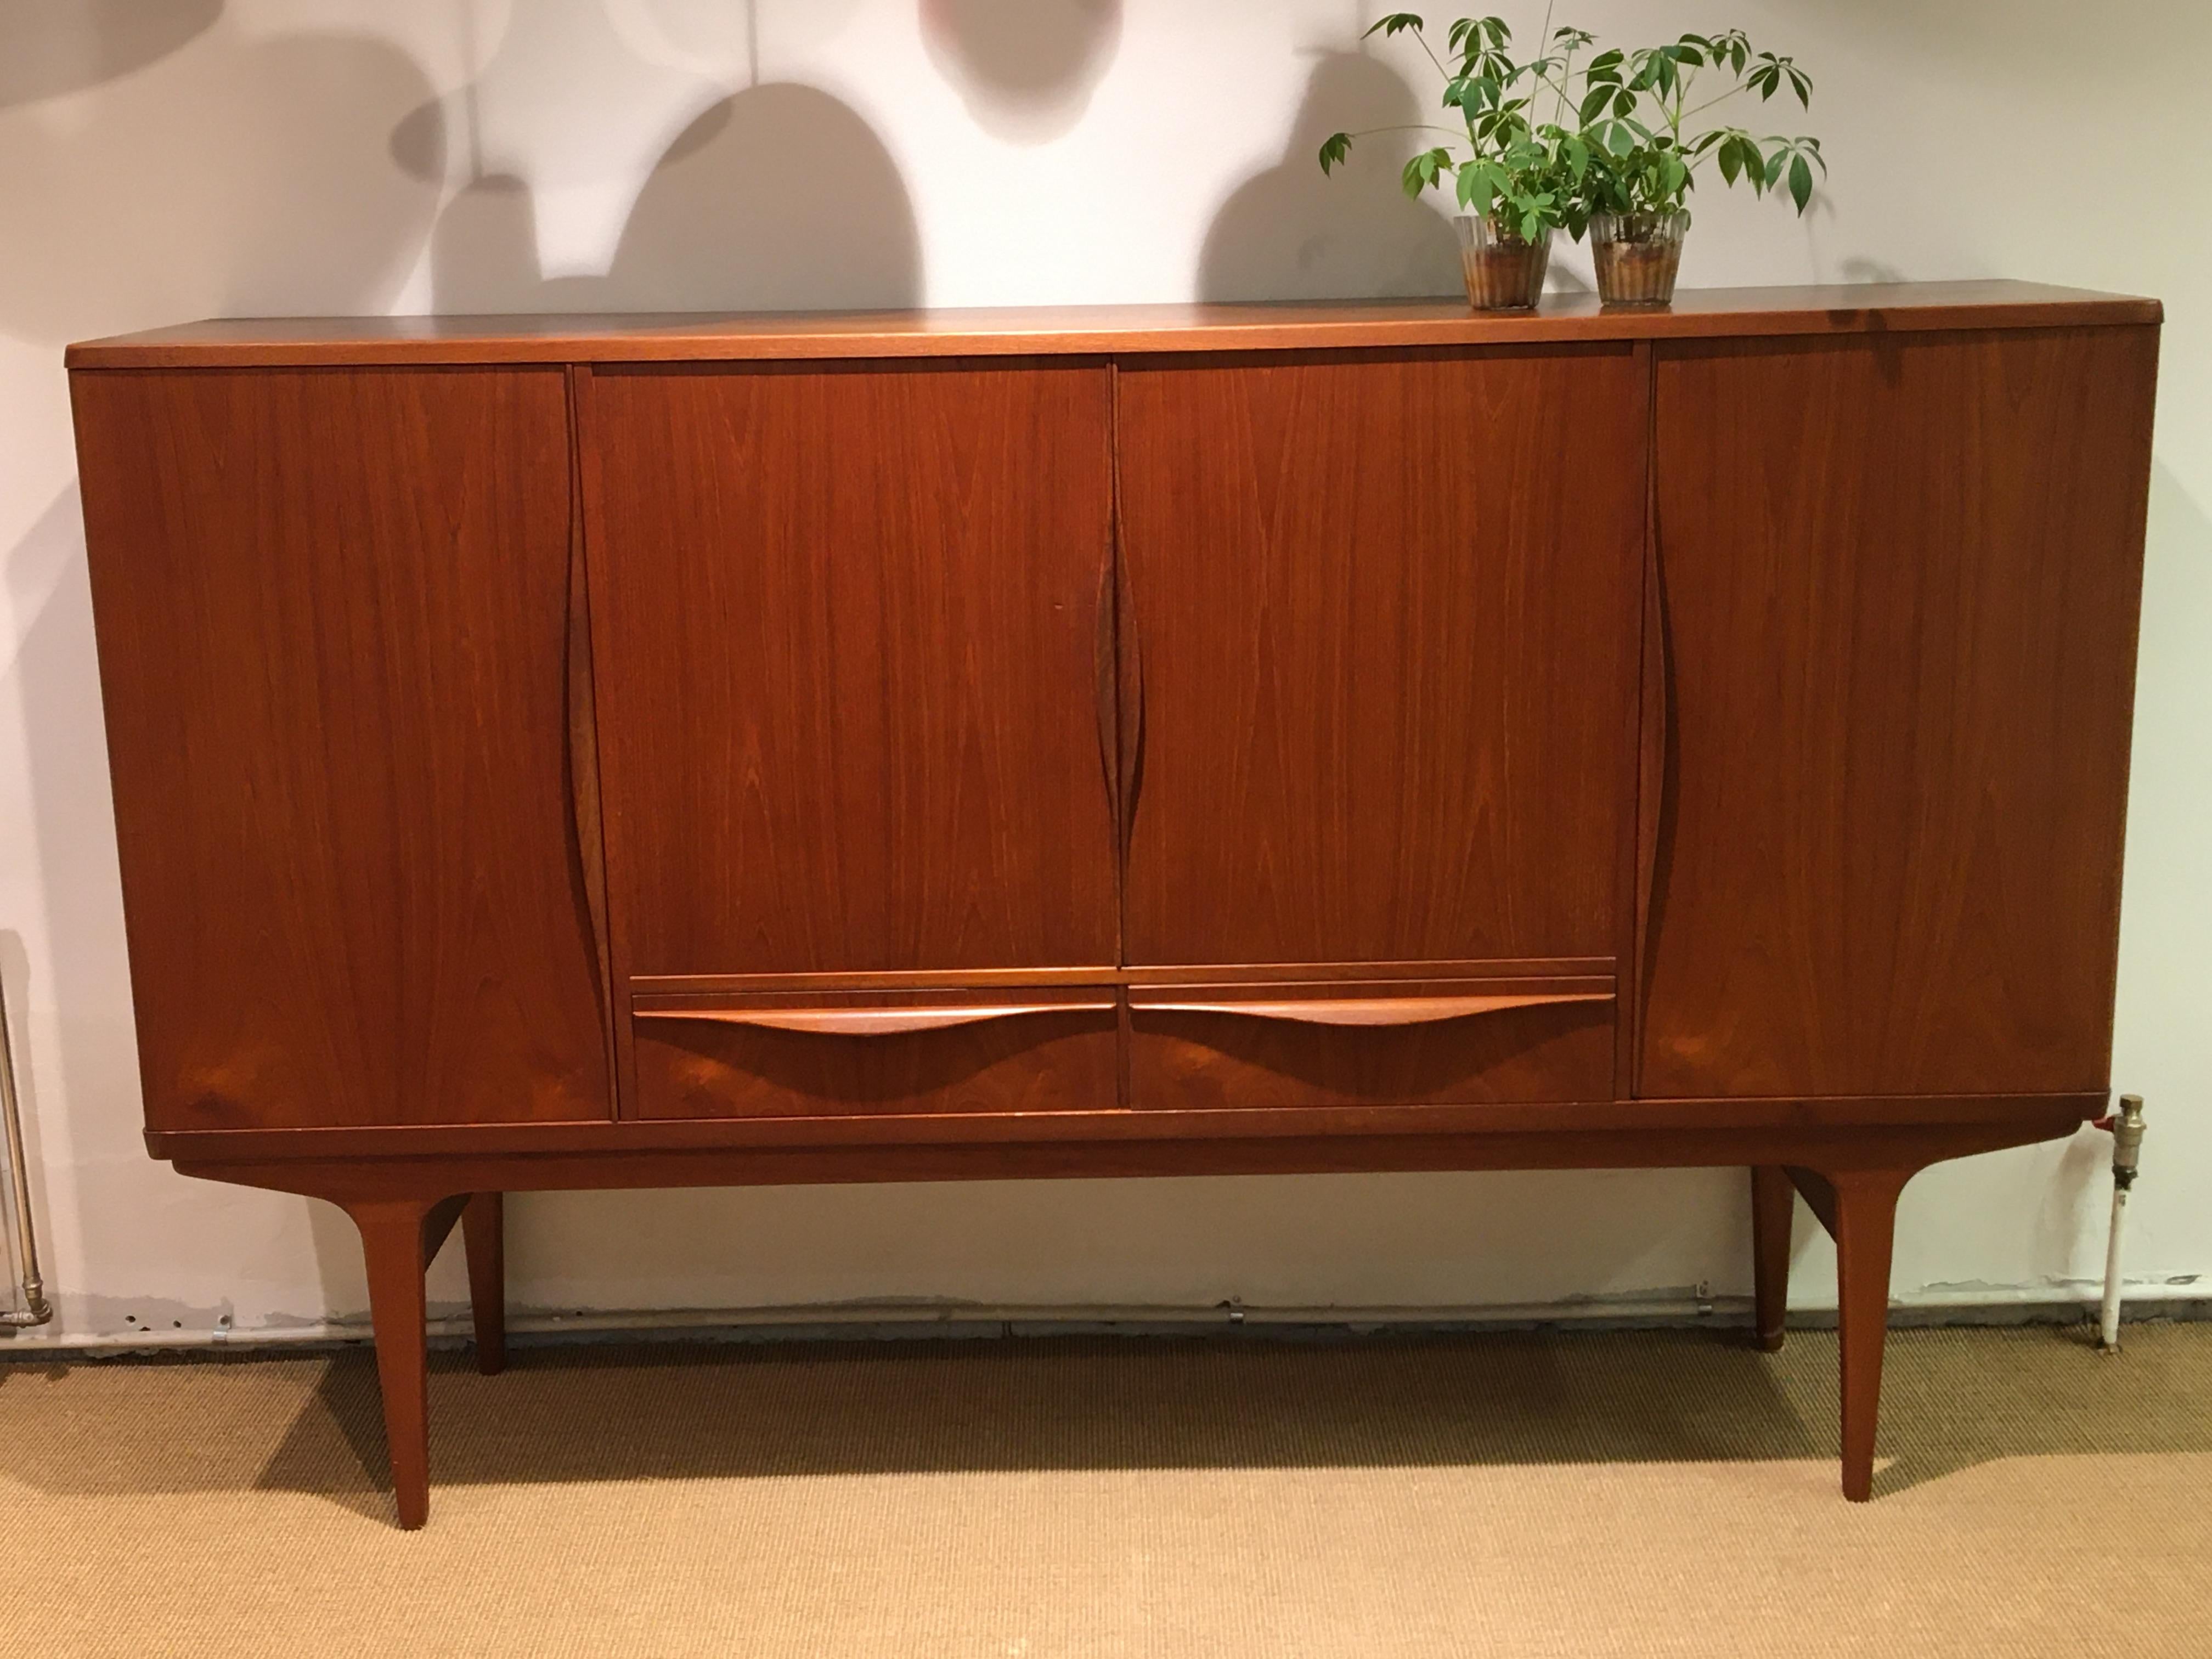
849 684
1899 582
852 1154
1444 1042
1849 309
1388 608
1006 1053
1083 1135
334 616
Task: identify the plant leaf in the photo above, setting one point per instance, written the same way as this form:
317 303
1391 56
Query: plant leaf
1391 25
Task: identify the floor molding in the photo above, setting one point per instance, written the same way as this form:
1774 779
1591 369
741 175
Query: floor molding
957 1322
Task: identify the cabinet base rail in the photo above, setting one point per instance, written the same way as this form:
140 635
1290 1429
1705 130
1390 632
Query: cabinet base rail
405 1209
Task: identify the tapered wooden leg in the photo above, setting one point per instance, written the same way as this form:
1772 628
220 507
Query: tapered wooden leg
399 1236
483 1233
1773 1201
1866 1228
1859 1209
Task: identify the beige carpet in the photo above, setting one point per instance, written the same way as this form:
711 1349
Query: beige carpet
1591 1494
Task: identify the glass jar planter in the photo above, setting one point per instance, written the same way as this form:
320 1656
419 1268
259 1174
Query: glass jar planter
1638 256
1504 270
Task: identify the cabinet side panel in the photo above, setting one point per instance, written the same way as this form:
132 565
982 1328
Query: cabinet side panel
332 610
1387 609
1898 585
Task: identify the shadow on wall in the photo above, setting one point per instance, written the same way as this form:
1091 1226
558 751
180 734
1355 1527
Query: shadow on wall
776 197
47 49
720 225
238 174
198 169
87 988
1026 69
565 89
1289 232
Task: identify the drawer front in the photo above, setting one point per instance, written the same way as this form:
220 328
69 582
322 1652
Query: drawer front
1005 1053
1453 1042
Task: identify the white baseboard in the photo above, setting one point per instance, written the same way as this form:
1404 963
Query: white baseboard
910 1322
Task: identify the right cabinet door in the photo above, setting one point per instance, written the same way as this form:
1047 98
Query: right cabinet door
1378 657
1898 583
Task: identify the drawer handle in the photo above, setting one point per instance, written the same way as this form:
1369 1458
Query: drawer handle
1374 1010
871 1022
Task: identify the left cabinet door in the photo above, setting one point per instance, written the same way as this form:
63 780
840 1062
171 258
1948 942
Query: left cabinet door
854 654
335 619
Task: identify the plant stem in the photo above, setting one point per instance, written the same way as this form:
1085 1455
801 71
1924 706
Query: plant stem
1410 126
1432 57
1733 91
1544 52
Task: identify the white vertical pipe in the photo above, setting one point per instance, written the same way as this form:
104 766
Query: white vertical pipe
2111 1320
2127 1128
36 1309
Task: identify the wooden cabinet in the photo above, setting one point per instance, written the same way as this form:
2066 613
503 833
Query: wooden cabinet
1161 741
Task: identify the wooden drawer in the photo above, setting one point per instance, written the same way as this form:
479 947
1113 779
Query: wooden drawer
899 1052
1461 1042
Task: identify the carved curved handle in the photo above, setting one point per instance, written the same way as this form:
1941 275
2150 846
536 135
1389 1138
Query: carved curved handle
1374 1010
872 1021
581 733
1655 782
1106 676
1130 640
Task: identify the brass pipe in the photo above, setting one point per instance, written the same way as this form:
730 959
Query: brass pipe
36 1310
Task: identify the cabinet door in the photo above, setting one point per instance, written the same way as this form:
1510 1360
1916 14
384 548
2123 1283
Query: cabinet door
1383 625
850 657
334 619
1899 582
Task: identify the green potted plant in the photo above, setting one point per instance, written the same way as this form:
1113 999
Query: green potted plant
1637 120
1517 176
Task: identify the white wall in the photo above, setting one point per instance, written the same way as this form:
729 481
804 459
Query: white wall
161 159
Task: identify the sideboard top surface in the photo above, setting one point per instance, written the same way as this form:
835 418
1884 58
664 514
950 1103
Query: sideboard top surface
1708 314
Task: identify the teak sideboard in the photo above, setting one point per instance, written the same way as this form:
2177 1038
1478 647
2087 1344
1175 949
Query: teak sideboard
574 752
